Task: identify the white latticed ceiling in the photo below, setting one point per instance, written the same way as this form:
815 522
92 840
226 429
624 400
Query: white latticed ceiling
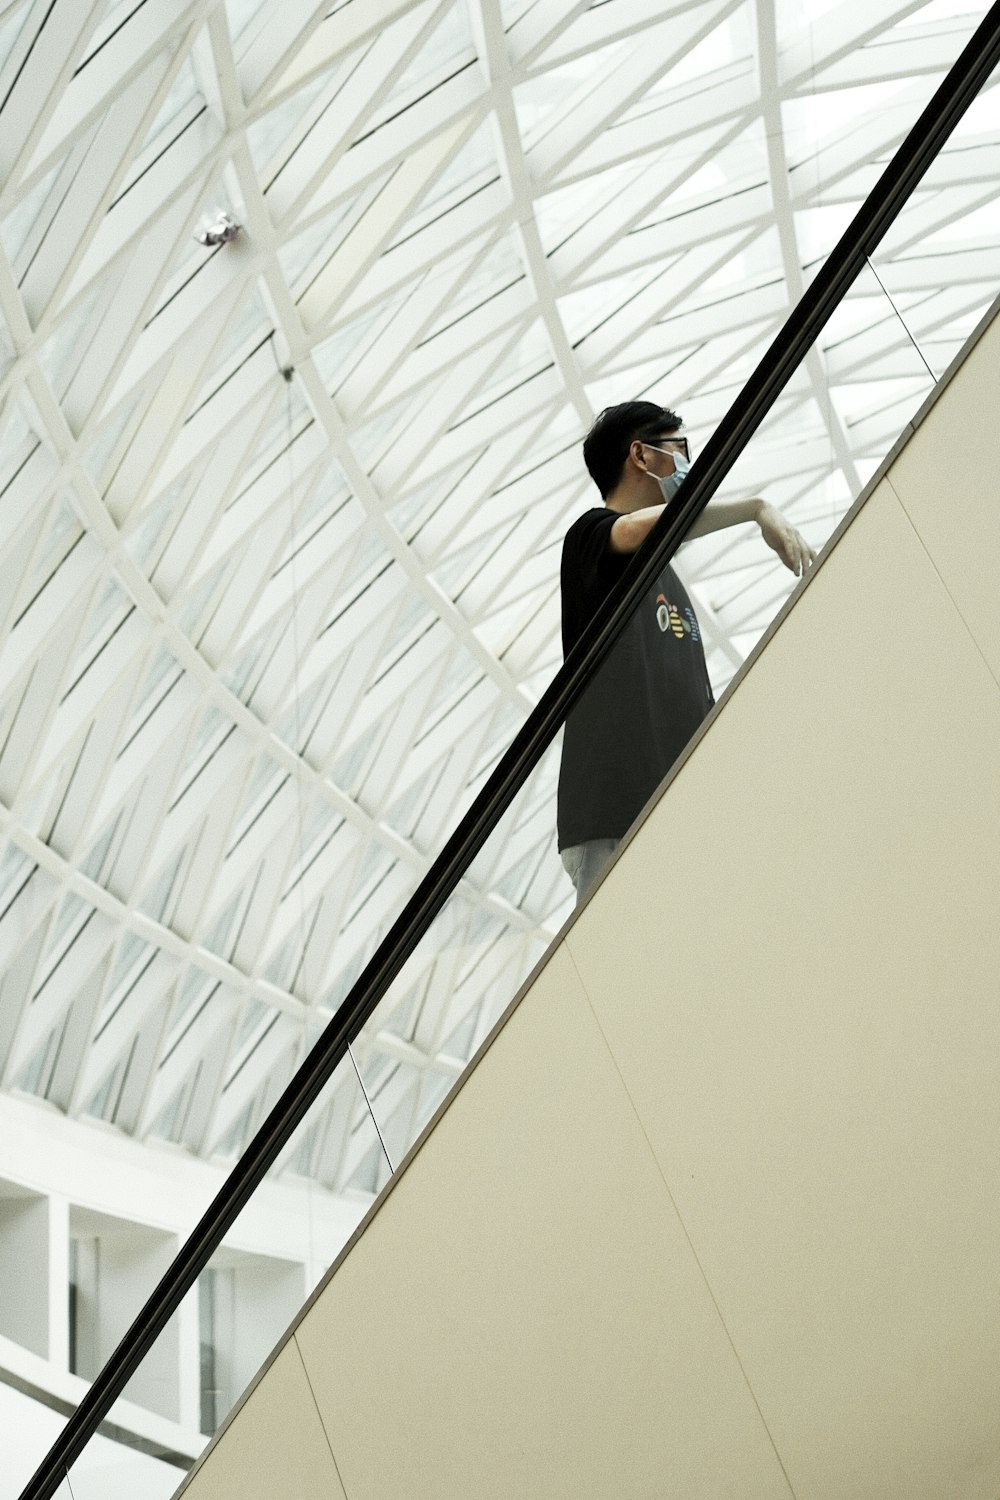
263 638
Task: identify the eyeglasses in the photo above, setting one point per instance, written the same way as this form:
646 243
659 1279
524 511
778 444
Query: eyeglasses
670 445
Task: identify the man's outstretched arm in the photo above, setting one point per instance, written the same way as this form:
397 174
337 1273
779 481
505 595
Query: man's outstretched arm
630 531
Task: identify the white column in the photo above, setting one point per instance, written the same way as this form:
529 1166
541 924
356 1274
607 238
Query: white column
189 1363
24 1268
58 1279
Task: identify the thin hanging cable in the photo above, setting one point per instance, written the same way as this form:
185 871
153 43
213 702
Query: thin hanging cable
899 315
371 1111
288 373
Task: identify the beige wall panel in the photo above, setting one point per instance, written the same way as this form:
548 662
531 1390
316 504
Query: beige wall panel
523 1318
809 1024
946 478
274 1447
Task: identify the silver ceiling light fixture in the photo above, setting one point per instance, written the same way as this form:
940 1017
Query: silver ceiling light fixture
222 228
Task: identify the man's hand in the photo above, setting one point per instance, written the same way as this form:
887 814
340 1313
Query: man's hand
789 543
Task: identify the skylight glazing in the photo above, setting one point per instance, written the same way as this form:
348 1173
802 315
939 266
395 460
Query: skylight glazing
264 637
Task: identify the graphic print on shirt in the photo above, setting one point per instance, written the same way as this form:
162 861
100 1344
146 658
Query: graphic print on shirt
669 617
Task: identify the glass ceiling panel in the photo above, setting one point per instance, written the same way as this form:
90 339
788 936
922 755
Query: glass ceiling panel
287 628
448 46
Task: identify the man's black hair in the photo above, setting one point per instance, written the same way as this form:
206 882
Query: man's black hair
605 448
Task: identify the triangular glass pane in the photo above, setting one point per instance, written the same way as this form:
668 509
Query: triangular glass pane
449 45
348 768
10 30
157 903
73 913
169 1123
102 1105
236 1137
192 614
34 1077
240 13
93 865
513 10
303 257
104 619
414 615
404 814
273 135
294 726
336 356
212 728
193 991
252 323
184 92
331 493
254 1012
185 123
539 101
236 675
129 950
15 868
142 541
489 272
16 226
267 779
473 166
454 570
100 456
281 966
61 351
163 666
65 530
410 513
371 557
372 439
217 938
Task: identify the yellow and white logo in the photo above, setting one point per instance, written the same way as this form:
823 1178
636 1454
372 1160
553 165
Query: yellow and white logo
668 617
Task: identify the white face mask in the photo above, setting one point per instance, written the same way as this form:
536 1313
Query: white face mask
671 483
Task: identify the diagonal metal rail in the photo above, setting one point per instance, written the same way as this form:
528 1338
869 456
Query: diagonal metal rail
953 96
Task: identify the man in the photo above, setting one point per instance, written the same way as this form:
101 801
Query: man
653 691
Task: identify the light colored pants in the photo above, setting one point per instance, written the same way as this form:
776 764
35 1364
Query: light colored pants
583 863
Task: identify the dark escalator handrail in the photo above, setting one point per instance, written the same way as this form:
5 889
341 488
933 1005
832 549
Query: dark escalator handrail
832 282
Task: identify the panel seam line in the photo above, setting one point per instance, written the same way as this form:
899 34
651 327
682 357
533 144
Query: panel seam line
319 1414
684 1229
944 582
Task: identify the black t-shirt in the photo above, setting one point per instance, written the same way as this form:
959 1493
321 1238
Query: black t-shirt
645 701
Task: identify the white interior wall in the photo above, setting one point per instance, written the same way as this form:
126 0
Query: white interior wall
24 1241
107 1471
127 1206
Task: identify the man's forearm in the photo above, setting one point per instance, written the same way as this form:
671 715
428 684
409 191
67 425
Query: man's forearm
718 514
630 531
